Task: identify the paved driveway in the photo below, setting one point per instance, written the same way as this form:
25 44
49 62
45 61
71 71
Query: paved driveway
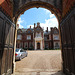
40 63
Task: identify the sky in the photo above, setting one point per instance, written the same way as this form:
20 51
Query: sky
35 15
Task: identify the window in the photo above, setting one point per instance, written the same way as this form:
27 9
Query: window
26 45
56 45
28 31
19 37
21 50
56 32
45 38
30 44
56 37
38 34
46 45
28 37
21 45
38 29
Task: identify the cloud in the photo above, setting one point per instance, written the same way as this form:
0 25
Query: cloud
19 22
47 11
52 15
51 22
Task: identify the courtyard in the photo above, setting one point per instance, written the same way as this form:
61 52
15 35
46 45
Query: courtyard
44 62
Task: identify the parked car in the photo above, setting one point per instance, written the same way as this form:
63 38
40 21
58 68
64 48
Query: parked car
20 53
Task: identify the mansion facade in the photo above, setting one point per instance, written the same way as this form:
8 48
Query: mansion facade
37 38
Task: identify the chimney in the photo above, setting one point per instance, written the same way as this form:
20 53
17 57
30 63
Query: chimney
34 25
51 29
47 29
30 27
38 24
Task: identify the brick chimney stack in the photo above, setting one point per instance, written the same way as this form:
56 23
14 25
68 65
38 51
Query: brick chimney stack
38 24
30 27
47 29
51 29
34 25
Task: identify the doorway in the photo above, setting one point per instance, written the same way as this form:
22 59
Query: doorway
38 45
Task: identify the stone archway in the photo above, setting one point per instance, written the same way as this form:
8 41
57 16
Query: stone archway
44 4
65 13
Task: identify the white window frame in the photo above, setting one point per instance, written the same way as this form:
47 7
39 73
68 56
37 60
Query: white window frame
55 37
25 44
38 34
28 37
19 37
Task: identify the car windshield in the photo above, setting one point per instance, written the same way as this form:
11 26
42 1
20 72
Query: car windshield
17 50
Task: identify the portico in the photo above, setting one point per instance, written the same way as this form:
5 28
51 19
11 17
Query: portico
38 43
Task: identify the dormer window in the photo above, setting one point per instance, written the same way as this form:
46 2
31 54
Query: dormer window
38 29
45 38
28 37
55 32
28 31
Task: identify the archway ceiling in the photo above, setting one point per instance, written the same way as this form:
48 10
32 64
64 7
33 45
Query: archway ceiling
20 6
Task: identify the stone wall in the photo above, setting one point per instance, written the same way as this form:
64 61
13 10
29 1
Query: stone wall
22 5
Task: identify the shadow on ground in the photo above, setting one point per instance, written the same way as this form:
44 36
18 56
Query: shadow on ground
58 73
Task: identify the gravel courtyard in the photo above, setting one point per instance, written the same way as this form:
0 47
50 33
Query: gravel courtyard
44 62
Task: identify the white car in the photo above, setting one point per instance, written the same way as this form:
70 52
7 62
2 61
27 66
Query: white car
20 53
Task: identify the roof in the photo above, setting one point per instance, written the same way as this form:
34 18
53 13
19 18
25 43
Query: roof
38 29
47 33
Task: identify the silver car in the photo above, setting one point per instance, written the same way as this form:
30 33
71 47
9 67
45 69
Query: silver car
20 53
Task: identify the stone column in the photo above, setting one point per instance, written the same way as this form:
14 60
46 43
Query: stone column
41 45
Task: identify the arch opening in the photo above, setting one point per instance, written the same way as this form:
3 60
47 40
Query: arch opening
64 12
37 44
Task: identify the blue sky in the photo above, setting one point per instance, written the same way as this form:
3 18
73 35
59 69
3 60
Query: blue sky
35 15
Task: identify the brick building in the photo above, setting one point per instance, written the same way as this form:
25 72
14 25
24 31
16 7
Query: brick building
37 38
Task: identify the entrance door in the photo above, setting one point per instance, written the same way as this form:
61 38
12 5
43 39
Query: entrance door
38 45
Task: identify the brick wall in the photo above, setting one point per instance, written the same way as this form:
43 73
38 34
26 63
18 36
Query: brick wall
67 5
7 7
